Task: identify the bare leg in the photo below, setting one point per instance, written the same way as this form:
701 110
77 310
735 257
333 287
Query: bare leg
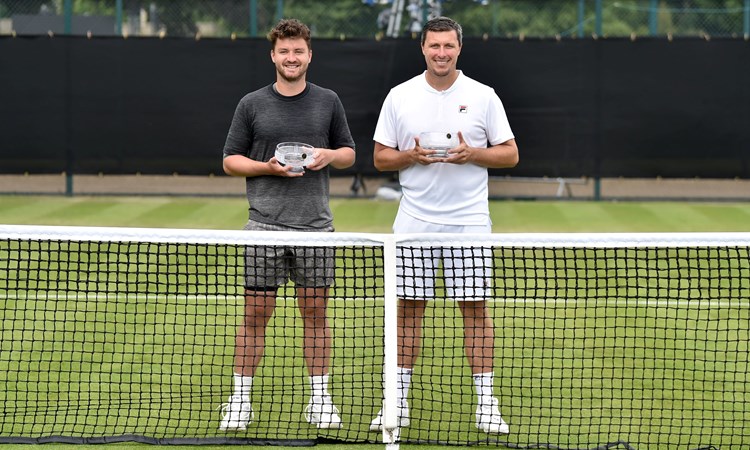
313 306
410 317
479 343
479 336
251 335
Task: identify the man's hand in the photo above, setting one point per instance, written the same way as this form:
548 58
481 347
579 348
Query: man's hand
461 154
276 169
321 157
424 156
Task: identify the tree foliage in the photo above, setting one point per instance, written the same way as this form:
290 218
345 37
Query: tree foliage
355 18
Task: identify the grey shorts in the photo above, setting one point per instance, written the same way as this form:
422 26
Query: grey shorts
268 267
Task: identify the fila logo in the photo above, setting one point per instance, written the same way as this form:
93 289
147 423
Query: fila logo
462 109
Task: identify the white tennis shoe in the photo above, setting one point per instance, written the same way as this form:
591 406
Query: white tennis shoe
403 418
489 419
237 414
322 413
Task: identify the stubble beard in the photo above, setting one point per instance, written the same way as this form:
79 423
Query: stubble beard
300 75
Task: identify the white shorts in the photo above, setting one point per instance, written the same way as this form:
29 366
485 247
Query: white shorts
467 272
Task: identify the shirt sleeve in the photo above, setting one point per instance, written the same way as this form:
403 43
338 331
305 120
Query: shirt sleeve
341 135
385 130
498 127
239 139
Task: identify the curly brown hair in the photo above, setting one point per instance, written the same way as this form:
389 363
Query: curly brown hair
289 29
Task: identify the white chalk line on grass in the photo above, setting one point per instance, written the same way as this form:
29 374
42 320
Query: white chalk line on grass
238 298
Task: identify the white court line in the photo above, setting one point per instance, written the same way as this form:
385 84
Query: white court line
620 302
690 303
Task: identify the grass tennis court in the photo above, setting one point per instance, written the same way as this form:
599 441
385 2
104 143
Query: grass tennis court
552 352
555 346
366 215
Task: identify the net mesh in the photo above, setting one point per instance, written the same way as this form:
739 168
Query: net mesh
600 340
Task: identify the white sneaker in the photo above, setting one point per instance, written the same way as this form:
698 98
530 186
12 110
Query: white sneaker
403 418
489 419
322 413
237 414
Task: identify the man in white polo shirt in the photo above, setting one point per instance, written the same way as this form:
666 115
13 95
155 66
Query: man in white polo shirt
445 194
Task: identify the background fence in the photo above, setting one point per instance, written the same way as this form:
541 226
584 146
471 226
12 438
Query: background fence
593 88
579 107
377 18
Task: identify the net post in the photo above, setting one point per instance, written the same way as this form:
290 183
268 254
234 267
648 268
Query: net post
390 345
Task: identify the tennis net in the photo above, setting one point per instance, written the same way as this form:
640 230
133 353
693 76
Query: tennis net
601 340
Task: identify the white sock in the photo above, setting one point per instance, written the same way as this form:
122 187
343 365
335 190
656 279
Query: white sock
483 384
242 385
402 385
319 385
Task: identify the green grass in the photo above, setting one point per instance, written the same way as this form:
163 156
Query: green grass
560 362
366 215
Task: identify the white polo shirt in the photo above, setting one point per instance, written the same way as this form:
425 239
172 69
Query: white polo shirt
443 193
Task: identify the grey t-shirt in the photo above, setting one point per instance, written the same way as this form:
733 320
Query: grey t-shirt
264 118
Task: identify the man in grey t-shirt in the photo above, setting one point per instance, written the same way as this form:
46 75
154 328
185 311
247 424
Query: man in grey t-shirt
291 109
